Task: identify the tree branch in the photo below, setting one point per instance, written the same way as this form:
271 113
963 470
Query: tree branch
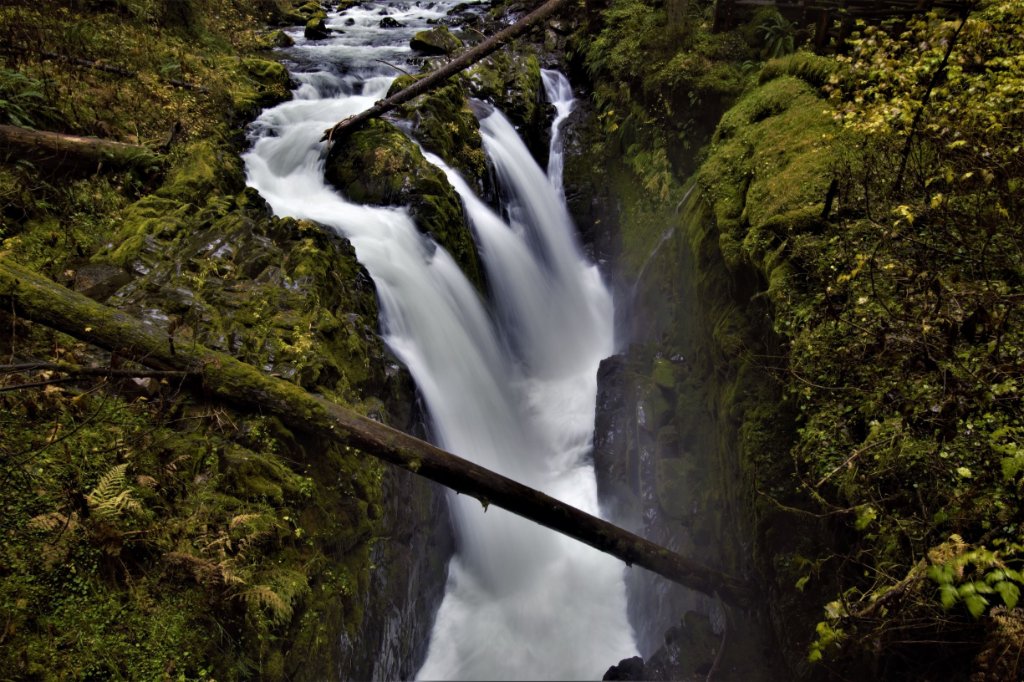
442 74
41 300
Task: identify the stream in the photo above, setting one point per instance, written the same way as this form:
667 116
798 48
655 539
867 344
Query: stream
509 383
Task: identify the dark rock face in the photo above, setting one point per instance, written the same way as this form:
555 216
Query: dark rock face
693 650
627 669
665 436
388 22
408 585
631 412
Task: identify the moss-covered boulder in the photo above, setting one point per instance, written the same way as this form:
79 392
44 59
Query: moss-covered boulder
445 125
316 29
436 41
379 165
510 79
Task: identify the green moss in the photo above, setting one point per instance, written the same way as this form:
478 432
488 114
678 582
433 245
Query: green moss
437 40
380 165
811 68
511 80
663 374
769 161
202 168
445 125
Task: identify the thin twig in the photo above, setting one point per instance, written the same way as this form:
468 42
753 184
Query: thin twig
35 384
856 453
393 66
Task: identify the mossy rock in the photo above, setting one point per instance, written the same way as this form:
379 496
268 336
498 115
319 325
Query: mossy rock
510 79
814 69
379 165
203 168
310 9
436 41
663 374
769 164
149 219
316 28
254 85
445 125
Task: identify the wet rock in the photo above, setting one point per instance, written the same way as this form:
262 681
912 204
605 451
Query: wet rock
627 669
99 281
436 41
388 22
316 29
510 79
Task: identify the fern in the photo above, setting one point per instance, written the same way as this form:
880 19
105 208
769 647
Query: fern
262 599
53 521
112 497
274 598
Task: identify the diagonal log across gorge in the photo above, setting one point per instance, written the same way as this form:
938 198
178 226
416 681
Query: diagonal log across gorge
45 302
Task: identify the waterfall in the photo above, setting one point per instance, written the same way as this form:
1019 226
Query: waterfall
510 385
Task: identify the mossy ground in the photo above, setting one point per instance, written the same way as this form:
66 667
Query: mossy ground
150 534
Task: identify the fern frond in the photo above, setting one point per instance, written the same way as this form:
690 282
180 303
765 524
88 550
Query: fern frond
242 519
146 481
203 570
112 497
53 521
262 597
109 486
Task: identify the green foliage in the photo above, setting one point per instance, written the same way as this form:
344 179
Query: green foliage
133 536
22 100
659 91
975 576
899 324
963 116
777 35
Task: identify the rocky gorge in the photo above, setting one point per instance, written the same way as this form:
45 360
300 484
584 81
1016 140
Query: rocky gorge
816 386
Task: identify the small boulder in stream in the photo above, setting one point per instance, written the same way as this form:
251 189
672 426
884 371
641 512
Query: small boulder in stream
316 29
437 41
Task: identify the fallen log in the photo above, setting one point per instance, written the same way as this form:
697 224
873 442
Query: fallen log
439 76
71 153
38 299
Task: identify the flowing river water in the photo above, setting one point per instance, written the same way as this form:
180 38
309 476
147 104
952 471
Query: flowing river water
509 383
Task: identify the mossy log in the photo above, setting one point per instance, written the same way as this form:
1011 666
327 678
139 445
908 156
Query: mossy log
442 74
71 153
220 375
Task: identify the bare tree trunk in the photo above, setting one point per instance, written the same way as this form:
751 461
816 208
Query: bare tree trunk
47 303
439 76
73 153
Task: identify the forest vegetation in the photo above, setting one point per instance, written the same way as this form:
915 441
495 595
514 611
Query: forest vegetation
866 203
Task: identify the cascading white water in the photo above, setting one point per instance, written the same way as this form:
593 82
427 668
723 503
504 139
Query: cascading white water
513 389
